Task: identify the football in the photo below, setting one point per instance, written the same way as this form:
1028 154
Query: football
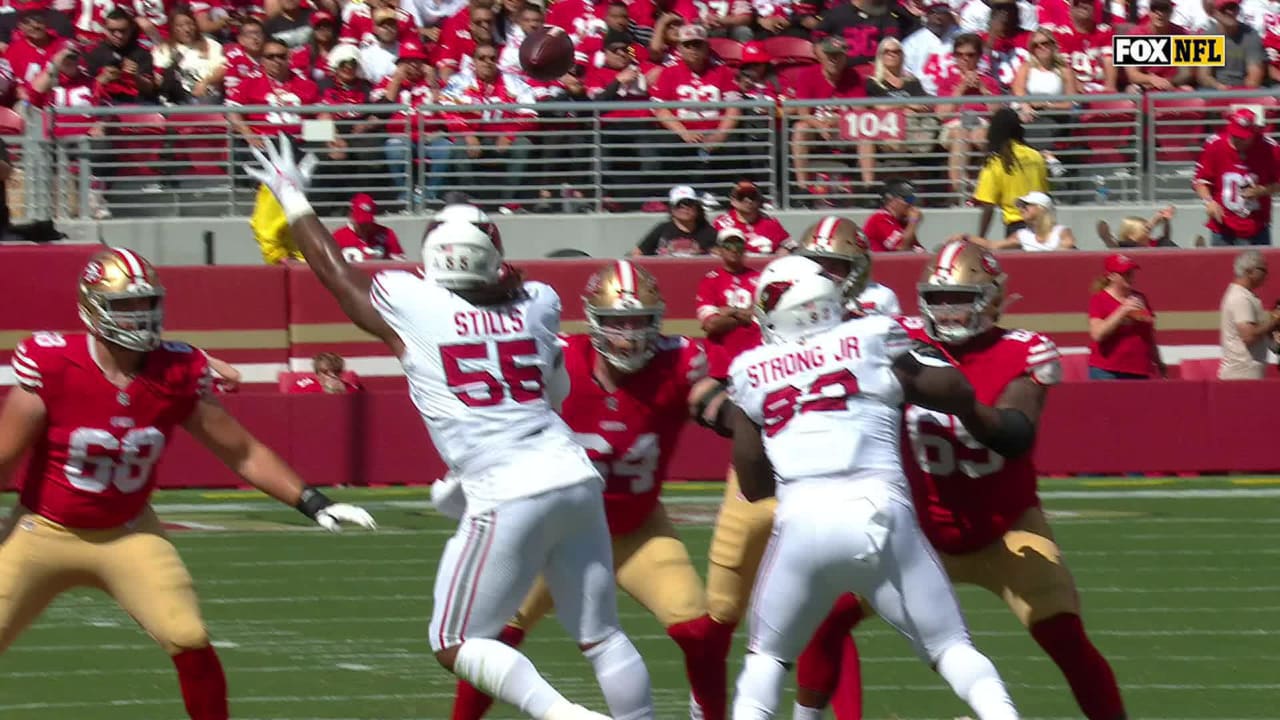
547 54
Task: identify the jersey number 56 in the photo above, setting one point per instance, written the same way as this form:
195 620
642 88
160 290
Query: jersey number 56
469 368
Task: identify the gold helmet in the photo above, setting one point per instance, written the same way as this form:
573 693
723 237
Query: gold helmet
624 311
840 248
961 293
116 277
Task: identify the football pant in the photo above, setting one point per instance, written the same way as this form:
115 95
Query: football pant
135 564
740 537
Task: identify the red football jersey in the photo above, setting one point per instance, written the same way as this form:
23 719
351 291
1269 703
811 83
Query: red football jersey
967 496
27 60
295 91
1006 55
1227 174
812 84
720 288
357 93
579 18
764 237
1165 71
77 91
357 29
679 83
1085 53
240 67
413 95
884 231
94 465
630 434
947 89
383 246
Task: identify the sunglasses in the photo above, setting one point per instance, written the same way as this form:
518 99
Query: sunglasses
753 197
687 204
891 51
485 58
275 56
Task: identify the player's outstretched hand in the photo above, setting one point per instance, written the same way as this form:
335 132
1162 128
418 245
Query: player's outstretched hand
332 516
277 169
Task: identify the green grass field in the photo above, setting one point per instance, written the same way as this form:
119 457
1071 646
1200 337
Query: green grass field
1180 581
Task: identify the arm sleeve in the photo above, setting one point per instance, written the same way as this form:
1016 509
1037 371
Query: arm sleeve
544 325
1044 361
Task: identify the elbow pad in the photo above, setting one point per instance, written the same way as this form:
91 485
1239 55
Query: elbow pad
1015 436
717 423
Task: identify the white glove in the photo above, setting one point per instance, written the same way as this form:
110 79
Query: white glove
332 516
288 180
447 497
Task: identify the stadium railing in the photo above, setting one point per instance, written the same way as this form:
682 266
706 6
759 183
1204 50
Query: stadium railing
573 157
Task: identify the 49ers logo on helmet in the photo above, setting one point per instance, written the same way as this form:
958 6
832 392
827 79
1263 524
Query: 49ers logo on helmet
93 272
989 263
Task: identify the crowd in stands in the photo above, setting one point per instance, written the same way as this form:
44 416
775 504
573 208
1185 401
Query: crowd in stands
464 53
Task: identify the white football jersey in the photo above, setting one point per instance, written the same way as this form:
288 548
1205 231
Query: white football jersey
830 408
480 378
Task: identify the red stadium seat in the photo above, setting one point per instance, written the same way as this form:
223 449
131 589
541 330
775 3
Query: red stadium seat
786 50
1183 136
138 141
1110 145
1075 368
205 144
11 123
729 51
1202 369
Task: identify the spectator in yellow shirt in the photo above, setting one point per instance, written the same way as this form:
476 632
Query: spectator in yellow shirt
1013 169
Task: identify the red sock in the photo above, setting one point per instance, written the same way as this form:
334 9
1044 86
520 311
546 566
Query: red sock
1087 672
818 669
704 662
468 702
204 686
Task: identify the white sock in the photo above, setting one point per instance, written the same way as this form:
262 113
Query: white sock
972 676
623 678
759 688
502 672
806 713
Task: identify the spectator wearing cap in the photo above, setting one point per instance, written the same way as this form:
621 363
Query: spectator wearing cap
620 78
685 232
362 238
1235 176
753 73
412 85
1006 43
1012 170
589 52
926 50
190 63
725 295
862 24
1088 44
344 84
1245 329
761 232
894 225
312 59
1042 232
290 24
1159 21
33 47
1246 59
358 27
456 53
964 125
1122 326
975 15
121 64
818 127
378 59
664 43
701 133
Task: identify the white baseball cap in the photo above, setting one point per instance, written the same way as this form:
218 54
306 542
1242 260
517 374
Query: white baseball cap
681 192
1037 198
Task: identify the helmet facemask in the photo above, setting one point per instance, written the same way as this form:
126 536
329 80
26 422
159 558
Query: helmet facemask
131 327
957 313
626 338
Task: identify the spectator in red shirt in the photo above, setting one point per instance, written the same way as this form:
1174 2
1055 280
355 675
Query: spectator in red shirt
702 133
1006 43
343 85
278 86
761 232
1236 176
1122 327
412 85
965 126
456 52
312 59
121 65
67 84
621 79
329 376
244 56
32 48
358 29
834 78
1160 22
362 238
725 296
1088 48
893 227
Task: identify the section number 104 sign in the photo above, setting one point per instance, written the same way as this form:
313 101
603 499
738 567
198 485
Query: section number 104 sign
880 125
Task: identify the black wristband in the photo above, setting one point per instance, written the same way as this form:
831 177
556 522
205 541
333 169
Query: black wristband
312 502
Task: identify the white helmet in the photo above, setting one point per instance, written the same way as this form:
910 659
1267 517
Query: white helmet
796 299
460 256
463 212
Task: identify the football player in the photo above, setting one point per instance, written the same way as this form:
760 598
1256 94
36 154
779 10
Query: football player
976 502
631 390
840 248
486 371
817 410
97 410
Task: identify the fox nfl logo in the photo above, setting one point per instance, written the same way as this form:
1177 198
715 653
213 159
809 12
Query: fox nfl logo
1169 50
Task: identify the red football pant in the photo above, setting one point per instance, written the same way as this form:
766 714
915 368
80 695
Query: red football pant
829 669
1092 682
204 685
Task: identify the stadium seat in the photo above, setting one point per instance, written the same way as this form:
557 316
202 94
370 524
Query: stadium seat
1110 145
1200 369
137 144
1181 128
1075 367
729 51
785 50
204 145
11 123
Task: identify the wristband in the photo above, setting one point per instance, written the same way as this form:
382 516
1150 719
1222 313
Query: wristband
294 203
312 502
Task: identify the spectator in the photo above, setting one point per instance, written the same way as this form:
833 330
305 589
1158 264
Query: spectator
1042 232
1160 77
67 84
685 232
666 35
890 78
32 49
492 137
343 85
120 65
702 133
975 15
893 227
834 78
1006 42
358 29
589 52
411 85
1088 49
312 59
862 24
278 86
362 238
964 125
725 297
1140 232
244 57
1011 171
430 15
762 233
528 19
1236 176
931 43
329 376
728 18
1246 59
1046 73
507 22
793 18
620 78
456 54
190 65
1245 330
291 24
1122 327
91 18
378 58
